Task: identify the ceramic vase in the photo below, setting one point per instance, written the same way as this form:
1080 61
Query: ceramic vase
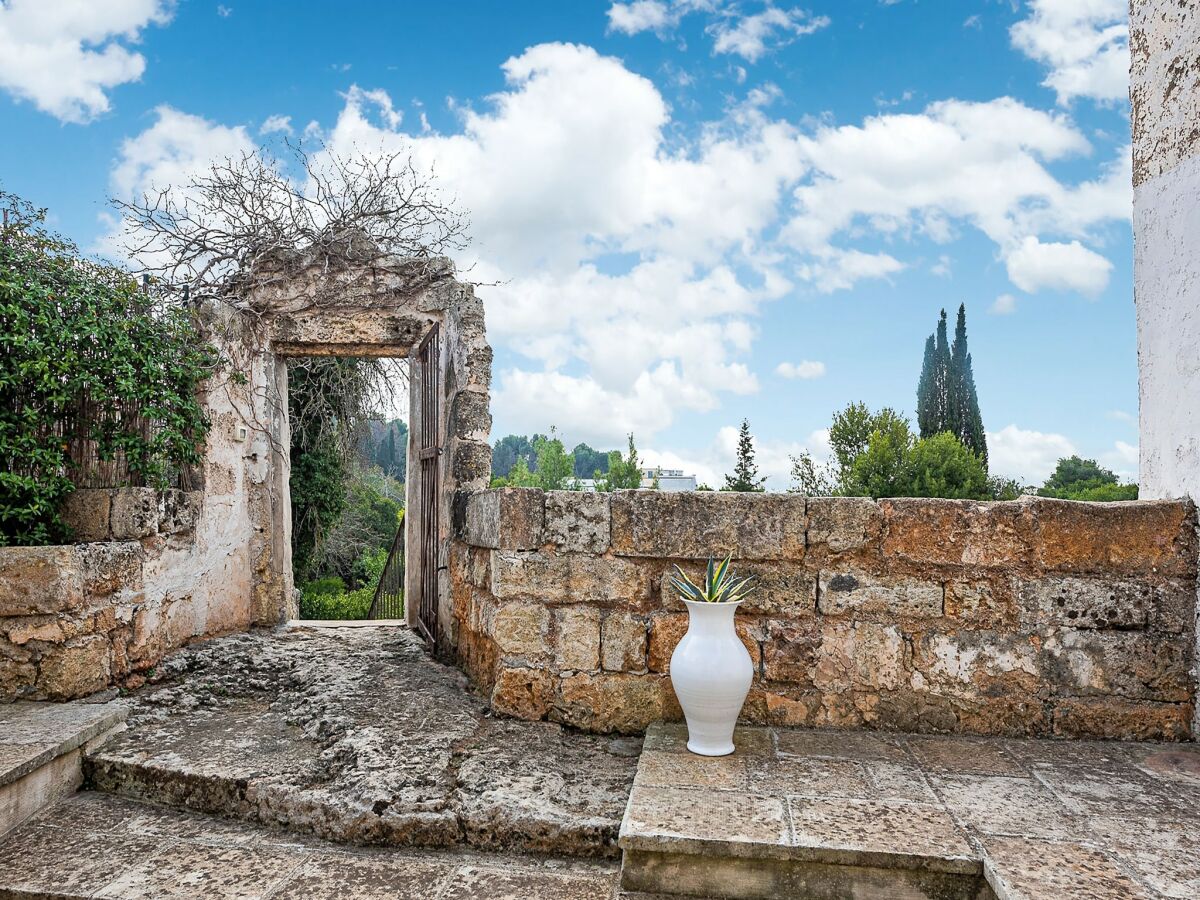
711 672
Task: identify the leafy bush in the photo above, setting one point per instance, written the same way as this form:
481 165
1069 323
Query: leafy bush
327 598
87 357
1075 478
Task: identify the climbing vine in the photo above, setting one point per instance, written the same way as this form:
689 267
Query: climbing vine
92 368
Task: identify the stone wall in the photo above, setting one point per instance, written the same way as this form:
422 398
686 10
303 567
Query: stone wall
1035 617
76 619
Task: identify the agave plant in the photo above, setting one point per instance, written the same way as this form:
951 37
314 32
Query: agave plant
720 585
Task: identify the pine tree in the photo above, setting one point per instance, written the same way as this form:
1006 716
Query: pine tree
745 470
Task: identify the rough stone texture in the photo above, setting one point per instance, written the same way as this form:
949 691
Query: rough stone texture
1032 617
356 735
104 846
812 813
506 519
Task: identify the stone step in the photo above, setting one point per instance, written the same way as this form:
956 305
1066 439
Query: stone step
98 845
357 736
41 752
826 814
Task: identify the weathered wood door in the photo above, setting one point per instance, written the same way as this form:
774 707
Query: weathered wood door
429 462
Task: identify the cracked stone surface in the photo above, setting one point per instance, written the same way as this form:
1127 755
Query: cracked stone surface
1014 819
358 736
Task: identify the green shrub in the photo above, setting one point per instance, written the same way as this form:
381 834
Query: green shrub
85 355
327 598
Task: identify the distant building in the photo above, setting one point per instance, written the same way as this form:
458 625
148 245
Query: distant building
668 479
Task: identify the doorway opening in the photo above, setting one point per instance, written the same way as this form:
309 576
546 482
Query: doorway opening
348 429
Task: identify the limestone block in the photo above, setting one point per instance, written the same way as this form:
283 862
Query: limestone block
571 578
76 669
524 693
505 519
22 631
927 532
86 512
178 511
1088 602
36 580
982 603
471 464
697 524
843 524
110 567
577 647
612 701
1122 663
578 522
966 663
623 643
521 630
790 652
134 513
859 656
470 418
1142 536
782 589
881 597
1111 718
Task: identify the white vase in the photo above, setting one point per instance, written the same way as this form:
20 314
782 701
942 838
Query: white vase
711 673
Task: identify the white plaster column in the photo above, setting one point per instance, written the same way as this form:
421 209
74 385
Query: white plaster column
1165 97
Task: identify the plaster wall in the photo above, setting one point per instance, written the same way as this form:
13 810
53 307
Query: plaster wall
1165 101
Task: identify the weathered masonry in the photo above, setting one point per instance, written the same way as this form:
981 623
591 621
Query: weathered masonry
1036 617
156 571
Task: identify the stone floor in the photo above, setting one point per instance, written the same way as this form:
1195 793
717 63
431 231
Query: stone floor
1040 819
312 762
356 735
98 845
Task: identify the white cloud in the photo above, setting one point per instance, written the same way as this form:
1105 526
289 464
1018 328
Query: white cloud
594 230
1123 460
1084 44
903 176
1034 266
224 11
1028 456
804 369
1004 305
750 37
643 15
64 55
1121 415
710 464
276 124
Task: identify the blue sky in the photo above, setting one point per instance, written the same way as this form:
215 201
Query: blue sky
688 211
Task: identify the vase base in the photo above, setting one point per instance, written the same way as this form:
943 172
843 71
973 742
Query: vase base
710 749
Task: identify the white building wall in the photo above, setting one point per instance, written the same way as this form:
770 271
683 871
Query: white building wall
1165 96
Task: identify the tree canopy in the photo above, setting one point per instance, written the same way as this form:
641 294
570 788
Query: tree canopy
745 471
946 396
1075 478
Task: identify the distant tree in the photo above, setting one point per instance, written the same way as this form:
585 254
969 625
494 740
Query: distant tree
555 466
1075 478
745 470
508 450
812 478
623 473
947 399
851 431
589 461
880 470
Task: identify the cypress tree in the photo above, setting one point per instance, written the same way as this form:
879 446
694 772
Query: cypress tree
745 470
926 420
946 395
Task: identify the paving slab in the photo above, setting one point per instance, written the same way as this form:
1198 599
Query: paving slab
34 733
914 816
359 736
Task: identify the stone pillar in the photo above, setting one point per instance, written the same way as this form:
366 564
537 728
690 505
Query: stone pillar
1165 97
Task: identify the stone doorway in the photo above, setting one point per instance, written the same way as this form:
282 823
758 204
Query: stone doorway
387 308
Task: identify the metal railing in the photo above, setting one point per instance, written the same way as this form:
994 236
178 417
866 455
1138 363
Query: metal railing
388 602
